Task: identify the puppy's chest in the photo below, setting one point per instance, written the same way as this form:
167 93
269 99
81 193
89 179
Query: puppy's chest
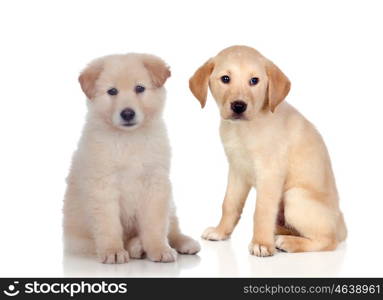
240 150
132 161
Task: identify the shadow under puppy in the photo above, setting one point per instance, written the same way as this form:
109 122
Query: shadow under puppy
118 202
272 147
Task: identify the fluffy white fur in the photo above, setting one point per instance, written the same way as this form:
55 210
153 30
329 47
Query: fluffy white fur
118 203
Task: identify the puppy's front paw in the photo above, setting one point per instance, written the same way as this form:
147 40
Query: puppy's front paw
261 249
135 249
163 254
186 245
214 234
113 256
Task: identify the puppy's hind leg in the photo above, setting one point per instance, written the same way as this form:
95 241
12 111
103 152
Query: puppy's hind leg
289 243
315 222
282 230
182 243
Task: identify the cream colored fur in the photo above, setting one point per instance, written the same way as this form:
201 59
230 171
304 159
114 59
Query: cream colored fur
118 202
273 148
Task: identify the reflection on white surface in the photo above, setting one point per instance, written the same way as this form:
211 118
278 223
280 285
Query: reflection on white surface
308 264
77 266
217 259
223 255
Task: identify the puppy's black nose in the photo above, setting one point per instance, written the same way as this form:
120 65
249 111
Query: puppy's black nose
127 114
238 106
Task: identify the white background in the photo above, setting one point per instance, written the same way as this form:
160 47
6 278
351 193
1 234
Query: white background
330 50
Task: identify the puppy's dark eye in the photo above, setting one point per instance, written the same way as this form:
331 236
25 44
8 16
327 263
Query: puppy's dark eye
112 91
139 89
225 79
254 81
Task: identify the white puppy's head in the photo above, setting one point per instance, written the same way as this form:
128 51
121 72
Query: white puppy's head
125 91
242 81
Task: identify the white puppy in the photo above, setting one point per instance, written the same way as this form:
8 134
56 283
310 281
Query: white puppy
118 201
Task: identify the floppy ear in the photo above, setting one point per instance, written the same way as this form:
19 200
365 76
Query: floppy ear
199 82
279 85
88 78
157 68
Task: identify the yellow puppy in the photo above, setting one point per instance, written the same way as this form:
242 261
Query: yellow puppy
272 147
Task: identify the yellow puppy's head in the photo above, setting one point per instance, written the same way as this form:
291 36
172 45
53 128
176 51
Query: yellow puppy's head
126 90
242 81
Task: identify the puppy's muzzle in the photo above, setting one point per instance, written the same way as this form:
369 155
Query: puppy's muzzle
128 115
238 107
